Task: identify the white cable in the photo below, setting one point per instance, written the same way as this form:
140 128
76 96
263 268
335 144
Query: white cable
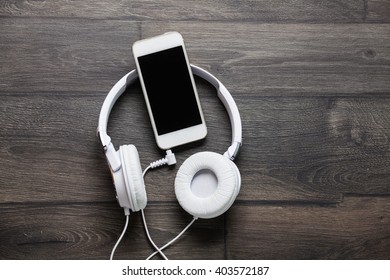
169 159
120 238
146 170
152 165
150 238
173 240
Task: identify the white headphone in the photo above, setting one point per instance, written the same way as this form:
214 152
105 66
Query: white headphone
126 168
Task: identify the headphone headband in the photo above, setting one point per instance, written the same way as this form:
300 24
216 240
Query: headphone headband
130 77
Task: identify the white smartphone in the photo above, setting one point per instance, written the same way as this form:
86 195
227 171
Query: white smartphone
169 90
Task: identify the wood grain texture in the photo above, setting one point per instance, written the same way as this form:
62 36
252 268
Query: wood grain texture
57 147
295 149
264 11
64 55
253 10
378 10
312 83
89 231
358 228
312 147
289 59
261 59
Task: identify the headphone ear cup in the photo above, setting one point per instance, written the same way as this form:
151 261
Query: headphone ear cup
132 173
228 185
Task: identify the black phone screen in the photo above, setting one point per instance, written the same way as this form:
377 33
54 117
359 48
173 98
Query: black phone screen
169 89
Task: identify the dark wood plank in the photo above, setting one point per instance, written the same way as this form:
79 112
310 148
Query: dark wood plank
49 149
357 228
254 10
50 152
64 54
89 231
315 145
288 59
295 149
311 80
378 11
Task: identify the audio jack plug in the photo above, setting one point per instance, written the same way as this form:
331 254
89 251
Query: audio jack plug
169 159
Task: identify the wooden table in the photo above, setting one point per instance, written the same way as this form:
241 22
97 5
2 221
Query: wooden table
311 80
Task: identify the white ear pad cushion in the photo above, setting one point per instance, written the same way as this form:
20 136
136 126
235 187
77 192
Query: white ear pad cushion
132 173
228 185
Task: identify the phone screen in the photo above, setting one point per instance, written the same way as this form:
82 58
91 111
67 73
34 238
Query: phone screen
169 89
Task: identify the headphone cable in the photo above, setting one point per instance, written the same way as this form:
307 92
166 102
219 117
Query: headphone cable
120 238
150 238
152 165
173 240
169 159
